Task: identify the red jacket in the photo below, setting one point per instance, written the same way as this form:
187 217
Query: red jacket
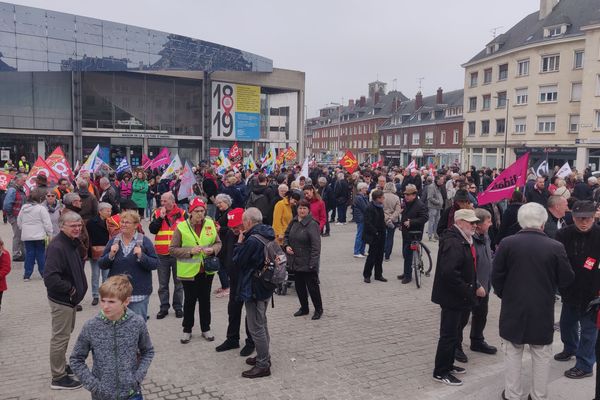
4 269
317 210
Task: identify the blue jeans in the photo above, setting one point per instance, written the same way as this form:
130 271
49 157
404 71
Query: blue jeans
96 272
359 244
389 242
434 219
149 208
35 251
341 212
582 345
140 308
223 277
407 253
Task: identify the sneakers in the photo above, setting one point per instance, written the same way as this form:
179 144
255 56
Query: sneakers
359 256
69 371
26 279
65 383
208 336
186 337
95 301
458 370
448 379
576 373
563 356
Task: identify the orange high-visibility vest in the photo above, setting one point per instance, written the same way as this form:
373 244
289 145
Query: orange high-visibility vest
163 237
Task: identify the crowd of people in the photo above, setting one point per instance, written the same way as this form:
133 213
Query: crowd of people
539 246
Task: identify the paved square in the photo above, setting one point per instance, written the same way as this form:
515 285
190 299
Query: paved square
375 341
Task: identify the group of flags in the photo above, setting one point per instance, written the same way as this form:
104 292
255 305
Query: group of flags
235 159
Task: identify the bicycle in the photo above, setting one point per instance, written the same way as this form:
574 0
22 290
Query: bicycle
418 265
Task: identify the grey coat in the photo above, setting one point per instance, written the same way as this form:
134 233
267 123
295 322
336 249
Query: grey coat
435 199
114 345
484 260
305 240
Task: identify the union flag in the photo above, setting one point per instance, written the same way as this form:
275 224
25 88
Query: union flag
349 162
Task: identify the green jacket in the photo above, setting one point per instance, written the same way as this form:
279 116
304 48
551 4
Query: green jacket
139 188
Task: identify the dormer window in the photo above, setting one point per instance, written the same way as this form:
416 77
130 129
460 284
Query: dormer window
553 31
493 47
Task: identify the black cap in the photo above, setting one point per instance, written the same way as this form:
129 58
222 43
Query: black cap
584 209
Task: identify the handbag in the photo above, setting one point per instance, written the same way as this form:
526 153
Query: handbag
97 252
211 263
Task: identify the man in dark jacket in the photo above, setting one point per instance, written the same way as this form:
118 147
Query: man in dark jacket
454 289
578 330
538 194
360 205
460 201
557 208
413 219
510 225
66 285
258 198
413 179
527 269
583 190
326 194
374 235
341 192
109 195
249 255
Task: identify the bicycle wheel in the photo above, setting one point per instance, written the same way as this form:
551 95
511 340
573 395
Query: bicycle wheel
416 268
427 263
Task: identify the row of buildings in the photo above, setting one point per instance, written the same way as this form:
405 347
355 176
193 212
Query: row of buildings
534 88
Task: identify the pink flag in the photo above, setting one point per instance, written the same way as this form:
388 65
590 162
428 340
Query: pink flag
146 162
161 159
505 184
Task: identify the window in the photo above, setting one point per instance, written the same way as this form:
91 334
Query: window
523 67
485 127
473 79
598 85
471 131
415 138
397 139
487 99
573 123
487 76
388 140
500 125
443 137
472 103
455 137
501 97
548 93
405 139
521 96
554 31
429 138
520 125
503 72
597 120
576 91
381 140
547 124
550 63
578 59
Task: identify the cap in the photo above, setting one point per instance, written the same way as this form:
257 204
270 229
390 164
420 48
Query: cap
466 215
584 209
195 203
410 189
234 217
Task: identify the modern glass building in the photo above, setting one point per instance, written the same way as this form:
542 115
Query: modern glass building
76 82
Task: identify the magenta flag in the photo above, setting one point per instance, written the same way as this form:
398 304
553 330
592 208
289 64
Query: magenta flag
505 184
161 159
146 161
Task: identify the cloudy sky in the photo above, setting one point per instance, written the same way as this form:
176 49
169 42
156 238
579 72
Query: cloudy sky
341 45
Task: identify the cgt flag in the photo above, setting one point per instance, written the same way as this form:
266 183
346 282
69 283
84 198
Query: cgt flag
348 162
506 183
235 154
40 167
5 179
59 164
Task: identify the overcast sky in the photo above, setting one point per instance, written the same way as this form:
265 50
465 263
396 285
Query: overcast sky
341 45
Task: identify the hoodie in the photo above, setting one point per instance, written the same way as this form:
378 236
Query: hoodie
34 221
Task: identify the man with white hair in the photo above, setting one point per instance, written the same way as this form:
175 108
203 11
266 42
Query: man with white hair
527 269
109 195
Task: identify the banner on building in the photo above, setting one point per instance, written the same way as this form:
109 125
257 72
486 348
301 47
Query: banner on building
59 164
235 112
506 183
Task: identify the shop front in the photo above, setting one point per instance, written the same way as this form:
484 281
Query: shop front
13 146
556 156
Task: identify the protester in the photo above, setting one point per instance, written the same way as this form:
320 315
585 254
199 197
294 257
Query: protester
229 188
62 188
326 194
435 204
210 188
36 227
66 284
5 266
460 202
109 195
538 194
302 244
557 208
139 192
223 203
13 201
54 208
258 198
164 222
89 203
527 270
341 192
113 330
283 214
125 187
374 235
361 202
97 229
194 240
412 224
578 330
392 209
317 206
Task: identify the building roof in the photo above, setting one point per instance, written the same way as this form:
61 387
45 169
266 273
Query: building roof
530 30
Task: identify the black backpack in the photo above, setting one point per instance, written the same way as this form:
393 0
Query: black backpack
259 201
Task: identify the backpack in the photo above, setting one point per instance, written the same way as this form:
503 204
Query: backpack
274 271
259 201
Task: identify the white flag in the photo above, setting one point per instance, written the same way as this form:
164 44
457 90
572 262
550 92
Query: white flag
174 166
304 170
89 164
564 171
412 165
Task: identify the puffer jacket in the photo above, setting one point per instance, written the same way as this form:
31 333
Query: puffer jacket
34 222
305 240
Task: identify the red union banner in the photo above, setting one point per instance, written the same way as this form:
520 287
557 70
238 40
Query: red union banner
40 167
59 164
5 179
505 184
348 162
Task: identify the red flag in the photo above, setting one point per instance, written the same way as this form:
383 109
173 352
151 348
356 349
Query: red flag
349 162
161 159
5 179
40 167
377 164
290 154
505 184
146 162
280 156
235 154
59 164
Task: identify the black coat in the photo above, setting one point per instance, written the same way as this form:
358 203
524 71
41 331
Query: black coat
583 191
97 231
375 227
509 225
304 237
538 196
527 269
455 280
583 250
416 212
341 192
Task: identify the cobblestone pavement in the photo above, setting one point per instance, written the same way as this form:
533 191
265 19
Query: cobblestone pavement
375 341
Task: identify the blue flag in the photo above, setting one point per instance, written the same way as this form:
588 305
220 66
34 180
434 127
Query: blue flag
123 166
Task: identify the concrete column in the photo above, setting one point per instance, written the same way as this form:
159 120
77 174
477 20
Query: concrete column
206 116
581 161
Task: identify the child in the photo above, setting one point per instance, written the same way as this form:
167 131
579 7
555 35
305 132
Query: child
4 268
115 337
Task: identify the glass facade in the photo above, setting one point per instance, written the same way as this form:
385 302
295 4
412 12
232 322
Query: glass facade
33 39
14 146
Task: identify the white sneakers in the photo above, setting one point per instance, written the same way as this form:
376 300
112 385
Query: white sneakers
208 336
359 256
186 337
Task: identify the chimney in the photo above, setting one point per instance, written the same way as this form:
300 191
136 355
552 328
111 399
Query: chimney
377 95
363 101
546 7
439 98
350 103
418 100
